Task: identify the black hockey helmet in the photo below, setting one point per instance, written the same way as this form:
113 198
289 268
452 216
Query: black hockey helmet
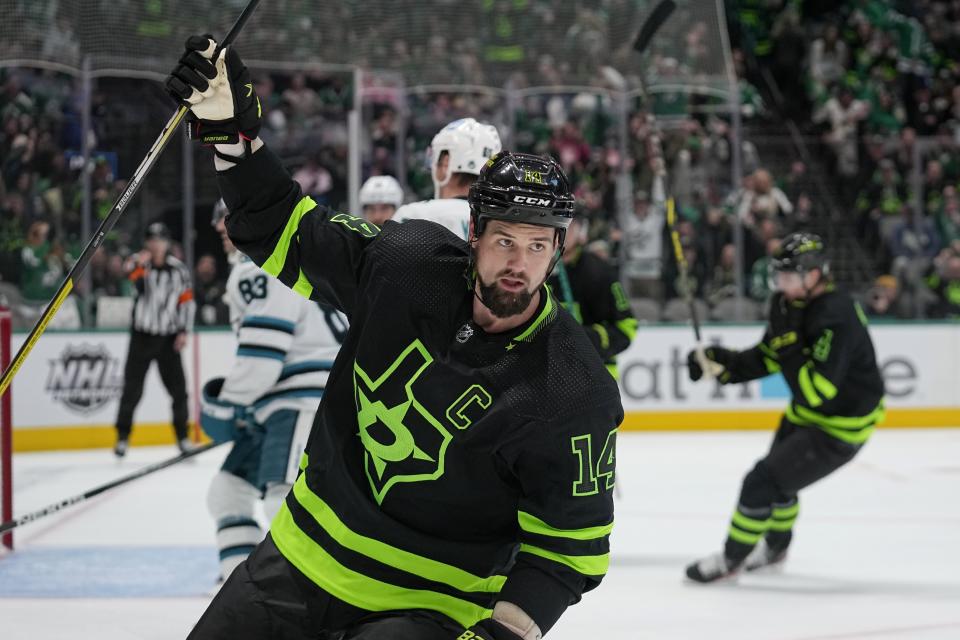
801 252
520 187
156 231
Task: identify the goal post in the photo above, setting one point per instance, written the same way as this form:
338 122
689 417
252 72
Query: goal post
6 432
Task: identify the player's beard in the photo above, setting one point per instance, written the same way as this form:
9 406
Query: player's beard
504 304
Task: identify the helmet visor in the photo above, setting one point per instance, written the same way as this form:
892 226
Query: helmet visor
784 280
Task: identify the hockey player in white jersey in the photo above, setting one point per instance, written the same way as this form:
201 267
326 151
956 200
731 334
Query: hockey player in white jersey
266 401
457 154
379 197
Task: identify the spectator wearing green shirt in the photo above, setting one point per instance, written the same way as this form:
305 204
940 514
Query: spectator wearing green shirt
948 217
43 266
760 272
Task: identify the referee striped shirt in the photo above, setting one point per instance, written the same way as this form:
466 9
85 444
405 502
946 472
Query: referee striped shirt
164 302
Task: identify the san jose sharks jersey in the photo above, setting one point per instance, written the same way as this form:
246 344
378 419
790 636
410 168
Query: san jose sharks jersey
447 468
452 213
286 344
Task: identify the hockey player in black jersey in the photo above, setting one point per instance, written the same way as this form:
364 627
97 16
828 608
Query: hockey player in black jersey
458 479
588 288
817 337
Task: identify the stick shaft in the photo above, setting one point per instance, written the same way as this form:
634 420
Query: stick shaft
653 23
683 266
108 223
68 502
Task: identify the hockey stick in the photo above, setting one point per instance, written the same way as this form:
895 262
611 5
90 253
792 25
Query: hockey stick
69 502
649 29
653 23
108 223
710 368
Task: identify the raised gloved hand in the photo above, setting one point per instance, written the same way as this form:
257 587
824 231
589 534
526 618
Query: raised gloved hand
223 103
715 359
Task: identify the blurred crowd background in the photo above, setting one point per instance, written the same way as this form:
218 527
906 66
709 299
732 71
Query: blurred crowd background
849 126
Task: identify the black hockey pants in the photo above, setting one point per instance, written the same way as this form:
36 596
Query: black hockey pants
768 505
267 597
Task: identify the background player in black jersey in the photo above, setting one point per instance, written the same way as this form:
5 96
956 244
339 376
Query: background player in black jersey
817 337
458 478
588 288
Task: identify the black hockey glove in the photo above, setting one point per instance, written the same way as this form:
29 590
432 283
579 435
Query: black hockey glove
488 629
722 356
223 104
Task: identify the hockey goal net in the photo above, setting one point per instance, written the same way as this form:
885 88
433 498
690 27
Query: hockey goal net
6 434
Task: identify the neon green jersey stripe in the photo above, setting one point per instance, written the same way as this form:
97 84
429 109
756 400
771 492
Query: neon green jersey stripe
782 525
744 522
786 512
806 386
303 286
274 263
533 524
853 433
853 437
387 554
547 308
357 589
771 365
824 386
743 536
604 336
628 327
839 422
587 565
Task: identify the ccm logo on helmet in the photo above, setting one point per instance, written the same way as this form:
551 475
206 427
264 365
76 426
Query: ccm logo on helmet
539 202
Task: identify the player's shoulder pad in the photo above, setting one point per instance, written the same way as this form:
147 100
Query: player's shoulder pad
833 309
247 268
417 240
573 377
597 268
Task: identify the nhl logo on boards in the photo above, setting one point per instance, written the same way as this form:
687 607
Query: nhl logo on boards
85 378
465 333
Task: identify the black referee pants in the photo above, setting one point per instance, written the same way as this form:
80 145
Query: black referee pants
267 597
144 349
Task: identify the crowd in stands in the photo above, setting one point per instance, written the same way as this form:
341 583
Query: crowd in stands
880 92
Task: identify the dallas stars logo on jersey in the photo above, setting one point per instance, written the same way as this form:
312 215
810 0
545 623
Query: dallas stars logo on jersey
405 441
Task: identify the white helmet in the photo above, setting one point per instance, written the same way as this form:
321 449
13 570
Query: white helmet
469 144
381 190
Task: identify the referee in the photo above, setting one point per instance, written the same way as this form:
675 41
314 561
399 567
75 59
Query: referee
162 315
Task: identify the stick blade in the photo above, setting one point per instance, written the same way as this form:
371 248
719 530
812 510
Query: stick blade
653 23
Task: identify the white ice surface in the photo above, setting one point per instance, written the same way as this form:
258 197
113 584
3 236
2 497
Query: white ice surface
876 553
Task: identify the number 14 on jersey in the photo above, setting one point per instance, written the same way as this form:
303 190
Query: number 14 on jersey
595 474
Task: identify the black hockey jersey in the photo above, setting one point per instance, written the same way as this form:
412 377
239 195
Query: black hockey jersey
826 356
588 288
447 468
